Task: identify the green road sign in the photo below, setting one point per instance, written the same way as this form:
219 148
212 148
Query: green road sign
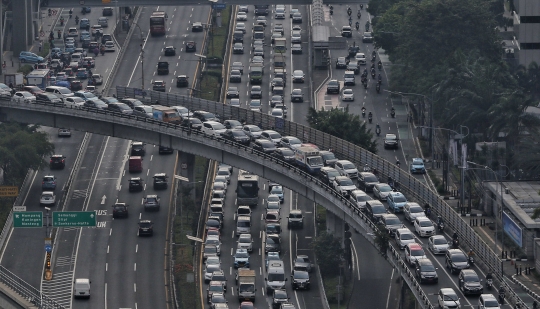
74 218
28 219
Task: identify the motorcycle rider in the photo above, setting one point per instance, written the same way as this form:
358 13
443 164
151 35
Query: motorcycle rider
455 236
471 253
378 129
357 25
502 293
366 168
398 163
359 14
440 220
70 12
370 117
76 19
61 21
363 111
393 112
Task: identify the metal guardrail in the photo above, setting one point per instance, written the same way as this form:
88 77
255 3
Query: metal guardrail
343 149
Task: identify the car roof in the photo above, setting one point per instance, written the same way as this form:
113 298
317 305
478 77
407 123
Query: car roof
414 246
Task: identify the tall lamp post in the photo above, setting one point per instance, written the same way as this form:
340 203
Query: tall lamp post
142 54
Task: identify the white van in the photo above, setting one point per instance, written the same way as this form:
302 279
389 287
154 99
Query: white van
63 92
243 225
213 128
275 278
81 288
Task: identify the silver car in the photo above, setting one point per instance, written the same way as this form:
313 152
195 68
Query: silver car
245 241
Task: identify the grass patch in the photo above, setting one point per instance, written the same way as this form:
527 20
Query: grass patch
331 289
321 219
218 37
45 50
185 223
211 83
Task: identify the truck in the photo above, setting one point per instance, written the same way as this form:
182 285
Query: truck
280 45
16 79
38 78
309 159
256 72
245 279
166 114
279 61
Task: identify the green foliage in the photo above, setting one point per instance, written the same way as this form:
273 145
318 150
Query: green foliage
382 238
329 253
25 69
344 125
22 147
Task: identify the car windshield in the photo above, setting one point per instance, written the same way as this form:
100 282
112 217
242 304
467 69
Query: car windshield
255 129
212 242
210 268
328 156
399 199
392 221
151 200
332 174
415 210
210 249
275 136
268 145
471 277
241 255
273 240
244 240
273 229
459 258
65 91
406 236
440 241
238 133
426 223
315 161
255 103
219 126
450 297
277 112
345 182
301 275
385 188
491 303
215 288
371 178
273 198
287 152
362 198
276 277
430 268
378 210
418 252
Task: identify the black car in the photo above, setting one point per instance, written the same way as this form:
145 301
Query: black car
425 271
341 63
235 76
131 102
48 98
264 146
469 282
159 85
57 162
163 68
232 124
236 135
367 181
297 95
135 184
232 92
146 227
182 81
327 174
137 149
205 116
120 210
285 154
151 202
160 181
280 296
300 280
192 122
107 11
120 108
170 51
165 149
191 46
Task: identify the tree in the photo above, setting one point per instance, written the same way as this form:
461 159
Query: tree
382 239
22 147
344 125
329 253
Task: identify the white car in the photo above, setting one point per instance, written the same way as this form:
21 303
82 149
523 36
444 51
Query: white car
273 205
213 128
381 191
23 97
241 16
277 112
447 298
245 242
74 102
213 260
438 244
346 168
209 270
360 58
109 46
224 171
424 227
240 27
219 186
343 185
296 37
488 301
214 240
255 105
272 136
47 198
412 210
257 59
347 95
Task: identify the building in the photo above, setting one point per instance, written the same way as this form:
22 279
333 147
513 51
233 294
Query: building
526 44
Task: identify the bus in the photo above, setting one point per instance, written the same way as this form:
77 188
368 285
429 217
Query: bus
157 23
261 9
247 190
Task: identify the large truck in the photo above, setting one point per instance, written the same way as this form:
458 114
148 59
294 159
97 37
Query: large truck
166 114
280 45
279 61
246 285
256 72
38 78
309 159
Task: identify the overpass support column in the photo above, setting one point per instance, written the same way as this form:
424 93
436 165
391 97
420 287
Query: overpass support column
334 224
22 23
321 58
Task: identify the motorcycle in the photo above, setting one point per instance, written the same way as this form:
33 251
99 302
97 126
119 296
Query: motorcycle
350 22
357 26
361 6
373 74
62 21
378 88
455 243
393 114
331 12
380 79
76 20
363 113
489 283
379 65
440 226
471 260
370 119
378 130
365 85
349 11
502 296
359 15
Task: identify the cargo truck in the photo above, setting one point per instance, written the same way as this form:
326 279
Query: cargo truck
256 72
309 159
246 285
166 114
279 61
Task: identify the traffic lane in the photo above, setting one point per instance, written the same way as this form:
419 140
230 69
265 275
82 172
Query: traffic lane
29 242
92 258
180 29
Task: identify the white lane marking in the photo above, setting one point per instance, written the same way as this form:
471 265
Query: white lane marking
389 288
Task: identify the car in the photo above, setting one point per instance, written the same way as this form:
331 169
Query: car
272 256
347 95
182 81
412 210
296 37
404 236
272 216
258 51
197 27
469 282
417 166
103 22
243 211
159 85
238 48
257 59
297 18
438 244
241 16
272 136
396 201
57 162
272 243
296 49
219 275
295 219
84 23
237 66
151 202
73 102
290 142
213 241
425 271
279 13
488 301
277 112
213 286
48 198
279 297
120 210
232 92
302 262
300 280
218 299
255 92
298 76
327 174
241 258
278 190
89 62
138 149
29 57
413 252
240 27
191 46
343 185
146 227
448 299
62 132
205 116
253 131
367 37
245 241
391 222
160 181
346 31
235 76
135 184
367 181
261 20
360 58
243 8
354 67
120 108
297 95
236 135
381 191
391 141
232 124
456 260
424 226
107 11
23 97
97 78
273 206
96 29
257 43
264 146
169 51
209 250
346 168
